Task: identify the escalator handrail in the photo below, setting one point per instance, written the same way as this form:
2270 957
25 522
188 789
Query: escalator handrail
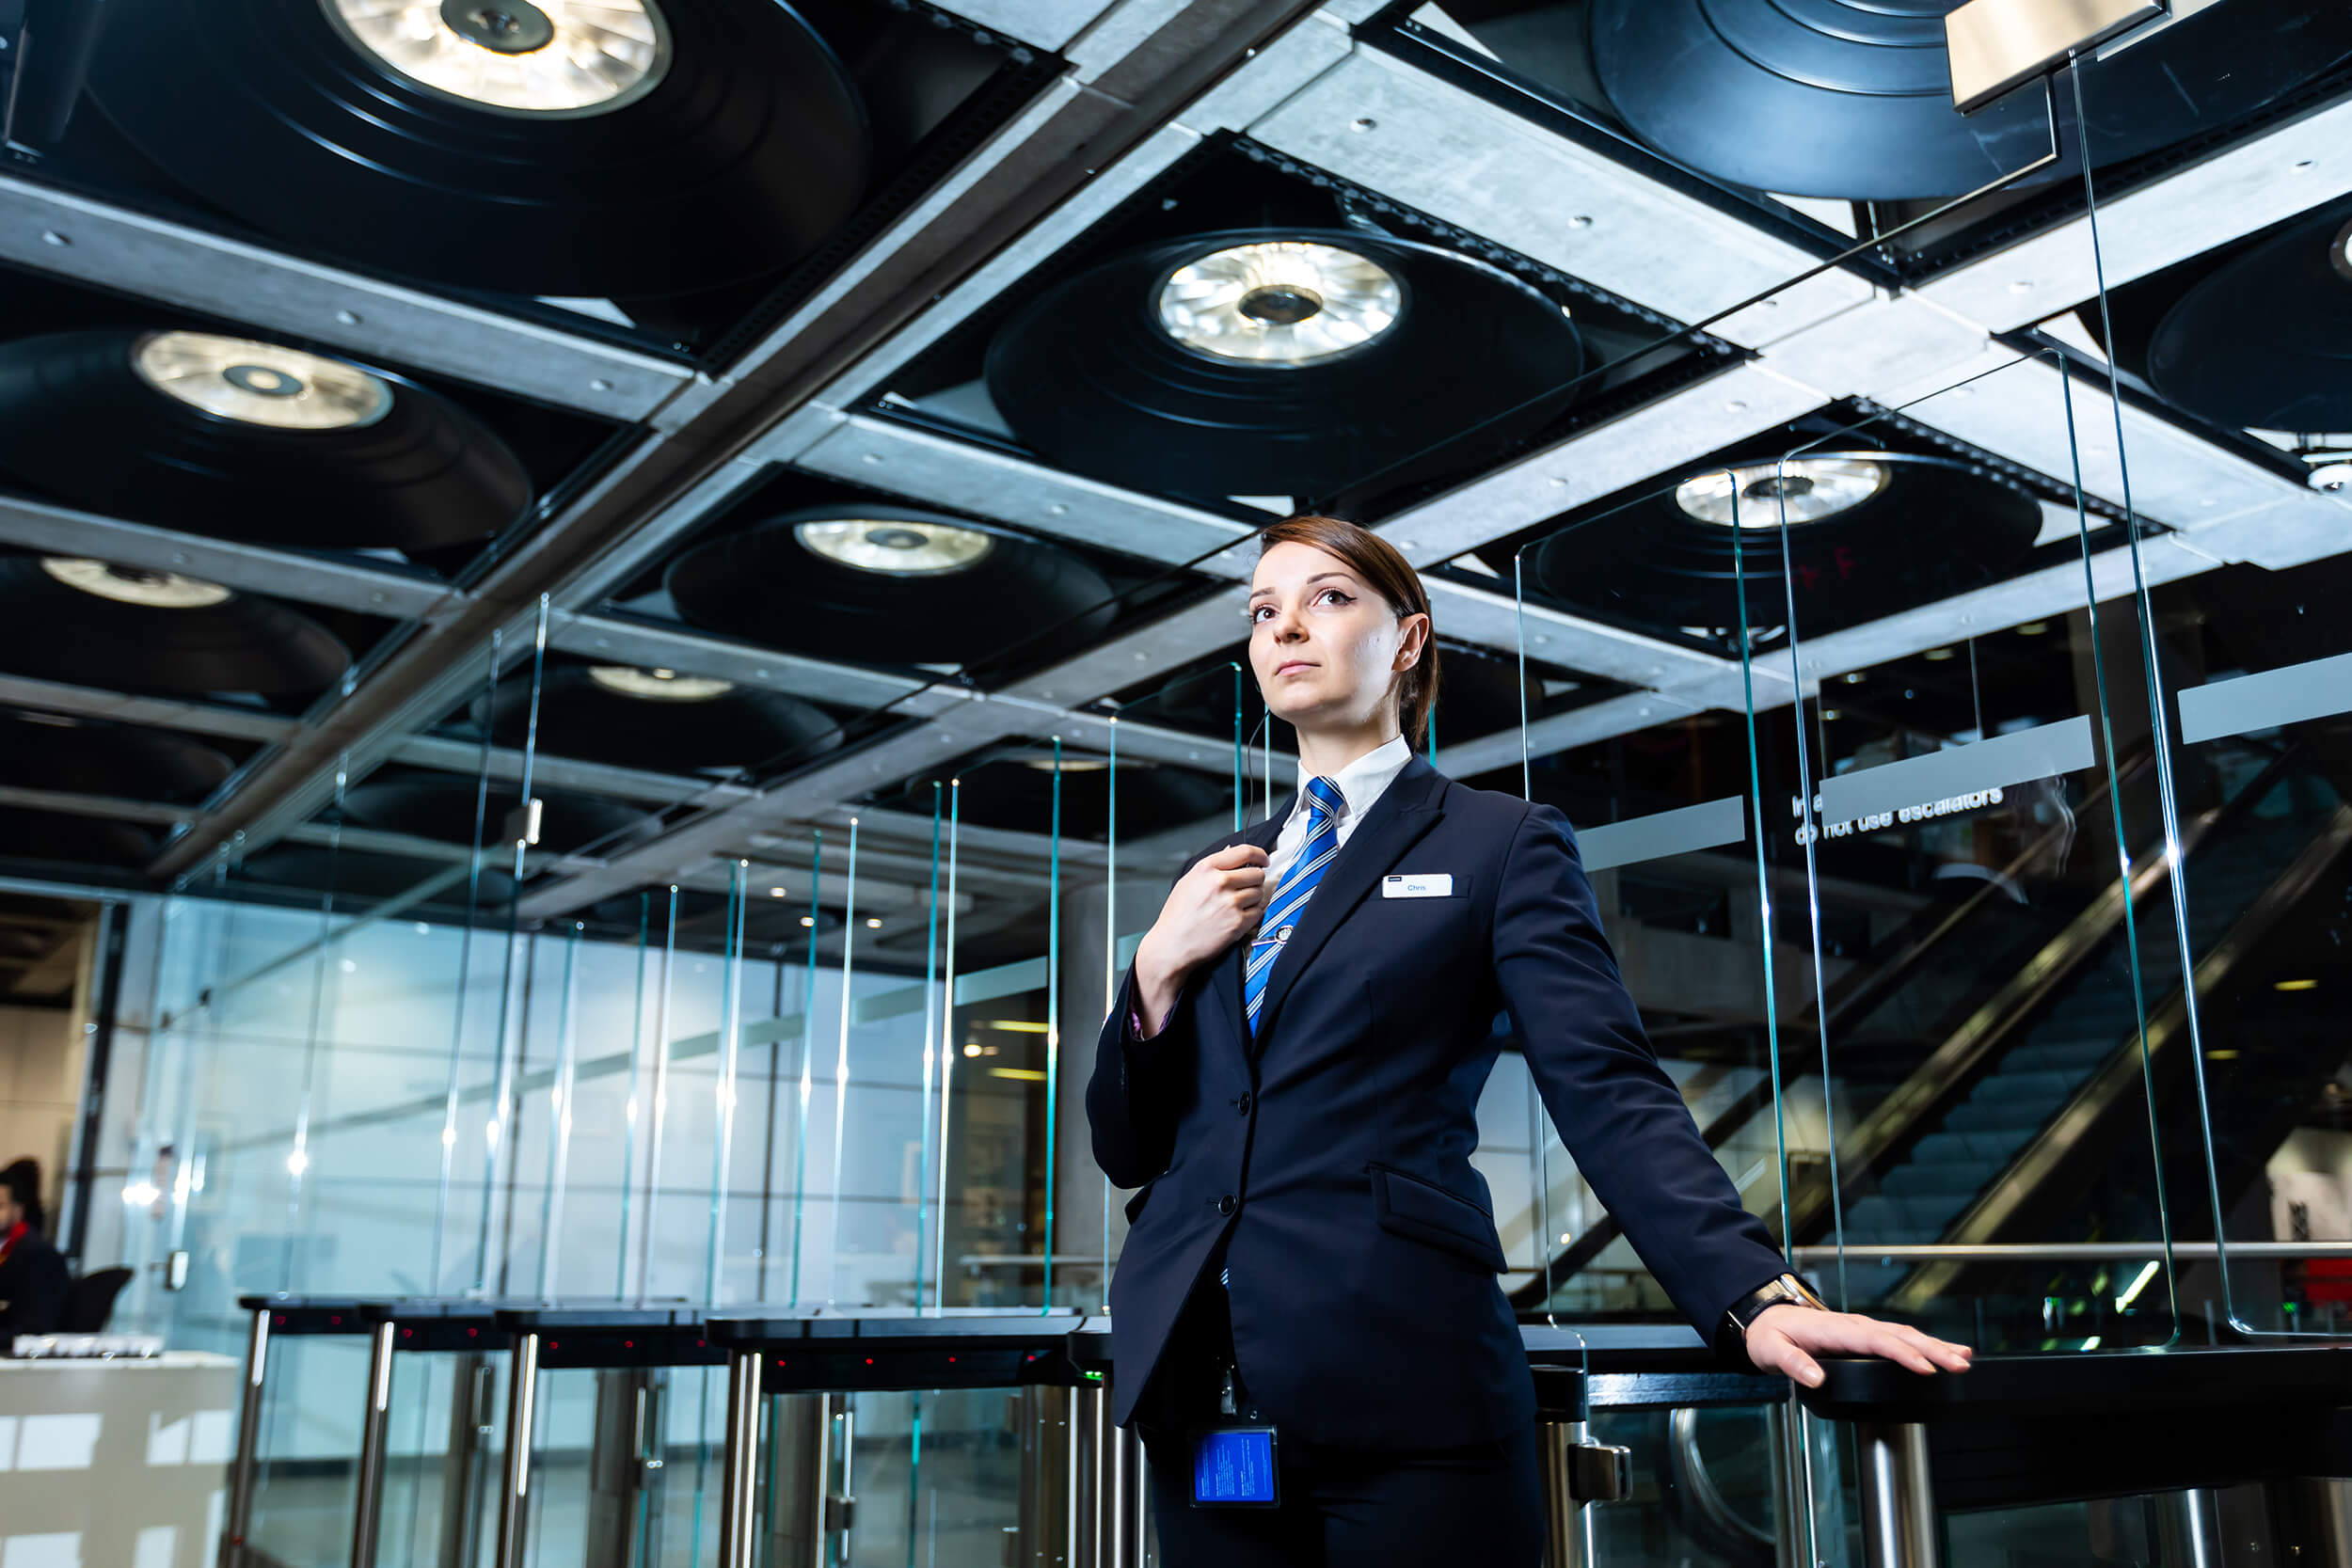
1953 1063
2120 1075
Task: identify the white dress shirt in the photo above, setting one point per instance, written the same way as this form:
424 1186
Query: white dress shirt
1362 783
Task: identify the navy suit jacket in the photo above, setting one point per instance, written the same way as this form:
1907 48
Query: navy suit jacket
1332 1151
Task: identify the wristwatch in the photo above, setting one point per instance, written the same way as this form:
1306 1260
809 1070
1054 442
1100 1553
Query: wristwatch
1788 1289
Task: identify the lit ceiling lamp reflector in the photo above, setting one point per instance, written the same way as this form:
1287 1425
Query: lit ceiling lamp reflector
819 582
1282 302
638 717
263 384
896 547
1292 362
134 585
658 686
238 440
561 57
536 147
1886 530
1802 490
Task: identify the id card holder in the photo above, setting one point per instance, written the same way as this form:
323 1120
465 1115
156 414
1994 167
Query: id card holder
1234 1466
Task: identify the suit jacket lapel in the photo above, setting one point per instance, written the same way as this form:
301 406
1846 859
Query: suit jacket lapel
1225 975
1405 809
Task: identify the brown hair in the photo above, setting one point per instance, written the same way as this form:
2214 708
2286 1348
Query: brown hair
1387 573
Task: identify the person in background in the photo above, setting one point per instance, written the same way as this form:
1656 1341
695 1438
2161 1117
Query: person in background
32 1274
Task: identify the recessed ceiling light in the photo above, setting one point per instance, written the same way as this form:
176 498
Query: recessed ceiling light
256 383
775 892
571 57
1803 490
896 547
1854 678
2294 984
658 686
1936 655
2033 628
133 584
872 924
808 920
1279 302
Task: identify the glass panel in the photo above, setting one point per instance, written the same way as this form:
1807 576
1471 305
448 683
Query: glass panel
1977 972
2219 325
1656 790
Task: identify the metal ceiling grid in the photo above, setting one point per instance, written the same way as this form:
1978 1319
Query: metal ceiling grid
1028 166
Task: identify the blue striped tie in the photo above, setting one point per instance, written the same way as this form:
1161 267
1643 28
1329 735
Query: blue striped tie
1291 892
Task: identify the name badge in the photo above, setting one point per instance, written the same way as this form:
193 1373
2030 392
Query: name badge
1428 884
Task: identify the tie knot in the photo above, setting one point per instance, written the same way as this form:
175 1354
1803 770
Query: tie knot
1325 797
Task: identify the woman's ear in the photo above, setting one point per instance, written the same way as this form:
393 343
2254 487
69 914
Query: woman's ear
1415 637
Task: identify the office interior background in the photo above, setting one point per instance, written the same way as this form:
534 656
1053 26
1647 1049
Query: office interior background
614 616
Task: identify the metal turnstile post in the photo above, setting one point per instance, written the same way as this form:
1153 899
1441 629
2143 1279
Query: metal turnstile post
1898 1523
2188 1529
1044 1537
231 1553
1567 1522
1128 1514
472 1409
375 1421
625 1464
522 1402
739 1483
799 1479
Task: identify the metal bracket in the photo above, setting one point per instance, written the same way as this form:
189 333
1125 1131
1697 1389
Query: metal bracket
1600 1473
1996 45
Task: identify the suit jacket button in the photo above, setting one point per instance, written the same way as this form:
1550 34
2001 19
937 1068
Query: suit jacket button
1243 1103
1226 1205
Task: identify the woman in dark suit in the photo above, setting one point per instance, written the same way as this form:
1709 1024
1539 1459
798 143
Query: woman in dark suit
1291 1076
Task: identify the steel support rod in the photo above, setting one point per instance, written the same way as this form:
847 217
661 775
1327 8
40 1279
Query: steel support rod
232 1548
1898 1523
1567 1523
376 1421
522 1403
739 1459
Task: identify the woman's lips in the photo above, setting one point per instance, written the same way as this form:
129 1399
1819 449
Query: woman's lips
1293 664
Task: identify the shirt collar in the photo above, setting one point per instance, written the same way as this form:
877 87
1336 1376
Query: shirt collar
1362 782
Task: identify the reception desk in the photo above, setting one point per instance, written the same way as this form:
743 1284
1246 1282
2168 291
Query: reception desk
114 1463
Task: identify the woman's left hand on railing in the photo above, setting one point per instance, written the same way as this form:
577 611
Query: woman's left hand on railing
1786 1340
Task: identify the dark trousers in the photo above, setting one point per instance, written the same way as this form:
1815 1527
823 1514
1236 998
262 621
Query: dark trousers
1345 1508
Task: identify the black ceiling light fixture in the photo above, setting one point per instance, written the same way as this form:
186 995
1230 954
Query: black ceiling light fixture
1853 99
1014 790
569 148
1286 362
449 807
93 623
251 441
66 838
357 878
91 756
1867 533
2264 340
657 718
887 585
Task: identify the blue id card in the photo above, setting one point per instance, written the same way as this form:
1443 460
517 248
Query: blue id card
1233 1468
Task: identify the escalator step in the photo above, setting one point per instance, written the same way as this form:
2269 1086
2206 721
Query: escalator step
2038 1089
2072 1059
1936 1179
2012 1119
1955 1147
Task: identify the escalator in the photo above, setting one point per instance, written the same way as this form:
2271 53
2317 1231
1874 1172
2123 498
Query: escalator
1998 1067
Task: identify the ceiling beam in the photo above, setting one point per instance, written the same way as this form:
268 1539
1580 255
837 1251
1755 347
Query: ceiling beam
84 240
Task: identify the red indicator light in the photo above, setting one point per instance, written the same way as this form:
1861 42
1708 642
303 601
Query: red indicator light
628 1344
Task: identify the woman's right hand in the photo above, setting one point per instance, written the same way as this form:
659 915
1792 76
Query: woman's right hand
1211 905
